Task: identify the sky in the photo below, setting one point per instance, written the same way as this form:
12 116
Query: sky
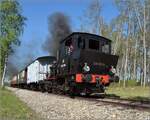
37 12
36 28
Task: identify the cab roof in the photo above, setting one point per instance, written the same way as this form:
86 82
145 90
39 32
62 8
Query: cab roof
39 58
84 33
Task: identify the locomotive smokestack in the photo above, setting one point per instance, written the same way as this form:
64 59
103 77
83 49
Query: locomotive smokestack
59 28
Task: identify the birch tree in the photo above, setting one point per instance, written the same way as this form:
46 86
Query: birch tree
136 12
129 32
92 19
11 27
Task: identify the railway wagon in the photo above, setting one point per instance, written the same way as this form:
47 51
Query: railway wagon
22 78
38 71
14 81
35 73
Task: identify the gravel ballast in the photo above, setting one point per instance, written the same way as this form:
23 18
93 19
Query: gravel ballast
55 107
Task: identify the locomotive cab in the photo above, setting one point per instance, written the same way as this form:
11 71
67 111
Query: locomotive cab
86 60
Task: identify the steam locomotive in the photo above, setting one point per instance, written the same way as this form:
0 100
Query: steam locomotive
84 65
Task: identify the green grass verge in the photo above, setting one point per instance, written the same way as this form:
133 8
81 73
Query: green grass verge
130 92
11 108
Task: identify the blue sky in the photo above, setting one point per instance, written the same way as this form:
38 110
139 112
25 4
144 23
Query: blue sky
37 12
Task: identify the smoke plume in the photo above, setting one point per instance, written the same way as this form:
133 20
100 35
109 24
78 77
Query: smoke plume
59 28
22 56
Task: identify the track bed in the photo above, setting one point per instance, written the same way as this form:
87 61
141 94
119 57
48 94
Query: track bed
54 106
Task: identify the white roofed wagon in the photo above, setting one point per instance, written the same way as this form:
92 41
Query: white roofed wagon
39 69
36 71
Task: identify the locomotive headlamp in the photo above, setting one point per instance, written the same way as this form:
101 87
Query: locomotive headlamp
86 68
113 70
72 77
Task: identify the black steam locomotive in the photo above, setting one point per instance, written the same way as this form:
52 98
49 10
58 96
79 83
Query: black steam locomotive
84 65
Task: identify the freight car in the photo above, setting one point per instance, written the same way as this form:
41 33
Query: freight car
84 65
32 76
13 82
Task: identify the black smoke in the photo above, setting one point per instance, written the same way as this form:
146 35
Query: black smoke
59 28
22 56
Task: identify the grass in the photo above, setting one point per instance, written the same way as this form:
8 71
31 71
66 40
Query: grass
129 92
11 108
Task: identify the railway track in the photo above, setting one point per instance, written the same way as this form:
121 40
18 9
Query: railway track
114 101
133 104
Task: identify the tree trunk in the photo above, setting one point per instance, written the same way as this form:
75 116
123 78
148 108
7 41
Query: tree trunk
0 65
4 71
135 61
125 65
127 54
117 42
121 69
143 30
144 47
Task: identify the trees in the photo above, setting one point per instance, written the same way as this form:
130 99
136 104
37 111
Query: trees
129 32
11 27
135 27
91 20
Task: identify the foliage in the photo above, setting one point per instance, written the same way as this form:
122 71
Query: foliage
11 27
91 19
129 32
11 23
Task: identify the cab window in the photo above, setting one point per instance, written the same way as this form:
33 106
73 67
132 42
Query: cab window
69 47
105 48
93 44
81 43
68 42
